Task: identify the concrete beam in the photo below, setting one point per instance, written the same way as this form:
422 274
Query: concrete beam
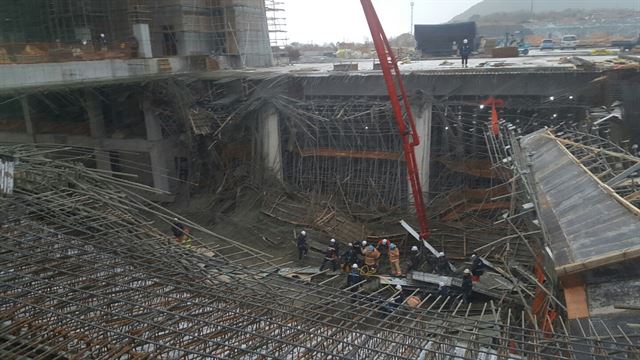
269 125
26 113
93 106
423 119
142 35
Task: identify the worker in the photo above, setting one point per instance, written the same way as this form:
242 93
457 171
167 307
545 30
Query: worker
443 290
334 244
103 42
177 228
383 247
467 286
415 259
477 266
442 264
371 256
357 246
465 52
354 277
454 48
349 258
394 260
303 248
331 256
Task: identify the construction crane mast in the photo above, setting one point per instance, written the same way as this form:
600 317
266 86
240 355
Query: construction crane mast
401 109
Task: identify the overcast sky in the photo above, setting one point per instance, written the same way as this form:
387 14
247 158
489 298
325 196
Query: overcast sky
324 21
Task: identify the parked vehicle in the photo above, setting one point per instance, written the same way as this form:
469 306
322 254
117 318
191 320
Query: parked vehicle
547 44
569 42
626 44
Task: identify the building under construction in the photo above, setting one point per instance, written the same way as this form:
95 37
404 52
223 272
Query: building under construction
107 142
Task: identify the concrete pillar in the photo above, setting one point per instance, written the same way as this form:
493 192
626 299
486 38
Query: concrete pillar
26 112
422 116
270 140
93 105
142 35
158 156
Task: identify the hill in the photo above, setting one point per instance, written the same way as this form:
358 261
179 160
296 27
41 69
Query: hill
487 7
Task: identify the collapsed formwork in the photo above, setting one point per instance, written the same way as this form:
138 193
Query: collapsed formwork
87 274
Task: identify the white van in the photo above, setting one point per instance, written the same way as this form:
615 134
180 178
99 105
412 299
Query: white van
569 42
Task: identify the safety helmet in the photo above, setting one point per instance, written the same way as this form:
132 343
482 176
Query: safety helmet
441 254
465 41
350 245
414 248
371 248
364 243
467 271
333 240
440 284
384 241
354 266
392 246
473 256
303 233
175 219
399 287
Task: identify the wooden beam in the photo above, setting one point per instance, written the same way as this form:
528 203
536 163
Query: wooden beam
327 152
599 261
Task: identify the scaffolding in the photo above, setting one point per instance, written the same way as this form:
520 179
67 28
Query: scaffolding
277 24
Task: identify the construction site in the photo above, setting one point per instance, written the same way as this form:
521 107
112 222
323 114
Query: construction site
161 175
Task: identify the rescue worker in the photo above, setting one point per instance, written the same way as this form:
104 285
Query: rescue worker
354 277
330 256
476 267
383 247
371 256
349 258
465 52
415 259
443 290
303 248
334 244
394 260
442 264
467 286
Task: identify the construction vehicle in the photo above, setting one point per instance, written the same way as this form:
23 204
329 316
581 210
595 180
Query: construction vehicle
402 111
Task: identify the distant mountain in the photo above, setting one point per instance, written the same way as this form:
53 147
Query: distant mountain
487 7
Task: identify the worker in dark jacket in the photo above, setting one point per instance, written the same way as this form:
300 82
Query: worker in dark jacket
354 277
415 259
477 266
383 247
330 256
442 264
467 286
334 244
177 228
443 290
465 52
349 258
303 248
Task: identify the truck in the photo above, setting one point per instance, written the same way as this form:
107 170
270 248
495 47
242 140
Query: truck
625 45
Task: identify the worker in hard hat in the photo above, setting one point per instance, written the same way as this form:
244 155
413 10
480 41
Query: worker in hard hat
477 266
467 286
415 259
349 258
383 247
465 52
354 278
394 260
330 256
181 232
371 256
303 248
442 264
443 290
334 244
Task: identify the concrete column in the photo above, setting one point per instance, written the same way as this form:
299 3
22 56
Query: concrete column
158 157
270 140
93 105
422 116
26 112
142 35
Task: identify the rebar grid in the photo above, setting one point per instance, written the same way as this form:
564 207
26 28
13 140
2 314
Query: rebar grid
77 284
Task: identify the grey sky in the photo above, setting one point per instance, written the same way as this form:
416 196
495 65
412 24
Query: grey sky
318 22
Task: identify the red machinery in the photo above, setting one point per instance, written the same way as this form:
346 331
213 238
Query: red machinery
401 109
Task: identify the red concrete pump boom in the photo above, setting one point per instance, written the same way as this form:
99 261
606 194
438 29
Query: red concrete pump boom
401 110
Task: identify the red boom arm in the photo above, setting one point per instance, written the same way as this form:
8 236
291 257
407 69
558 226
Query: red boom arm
401 109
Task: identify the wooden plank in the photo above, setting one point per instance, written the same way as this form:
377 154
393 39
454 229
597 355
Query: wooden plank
575 295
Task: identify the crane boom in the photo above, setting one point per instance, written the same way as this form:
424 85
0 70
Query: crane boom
401 109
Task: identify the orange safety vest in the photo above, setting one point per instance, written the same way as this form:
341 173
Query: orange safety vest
371 257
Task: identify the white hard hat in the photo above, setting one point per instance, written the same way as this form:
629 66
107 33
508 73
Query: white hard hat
354 266
384 241
364 243
467 271
466 41
399 287
333 240
350 244
441 254
414 248
303 232
441 284
175 219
